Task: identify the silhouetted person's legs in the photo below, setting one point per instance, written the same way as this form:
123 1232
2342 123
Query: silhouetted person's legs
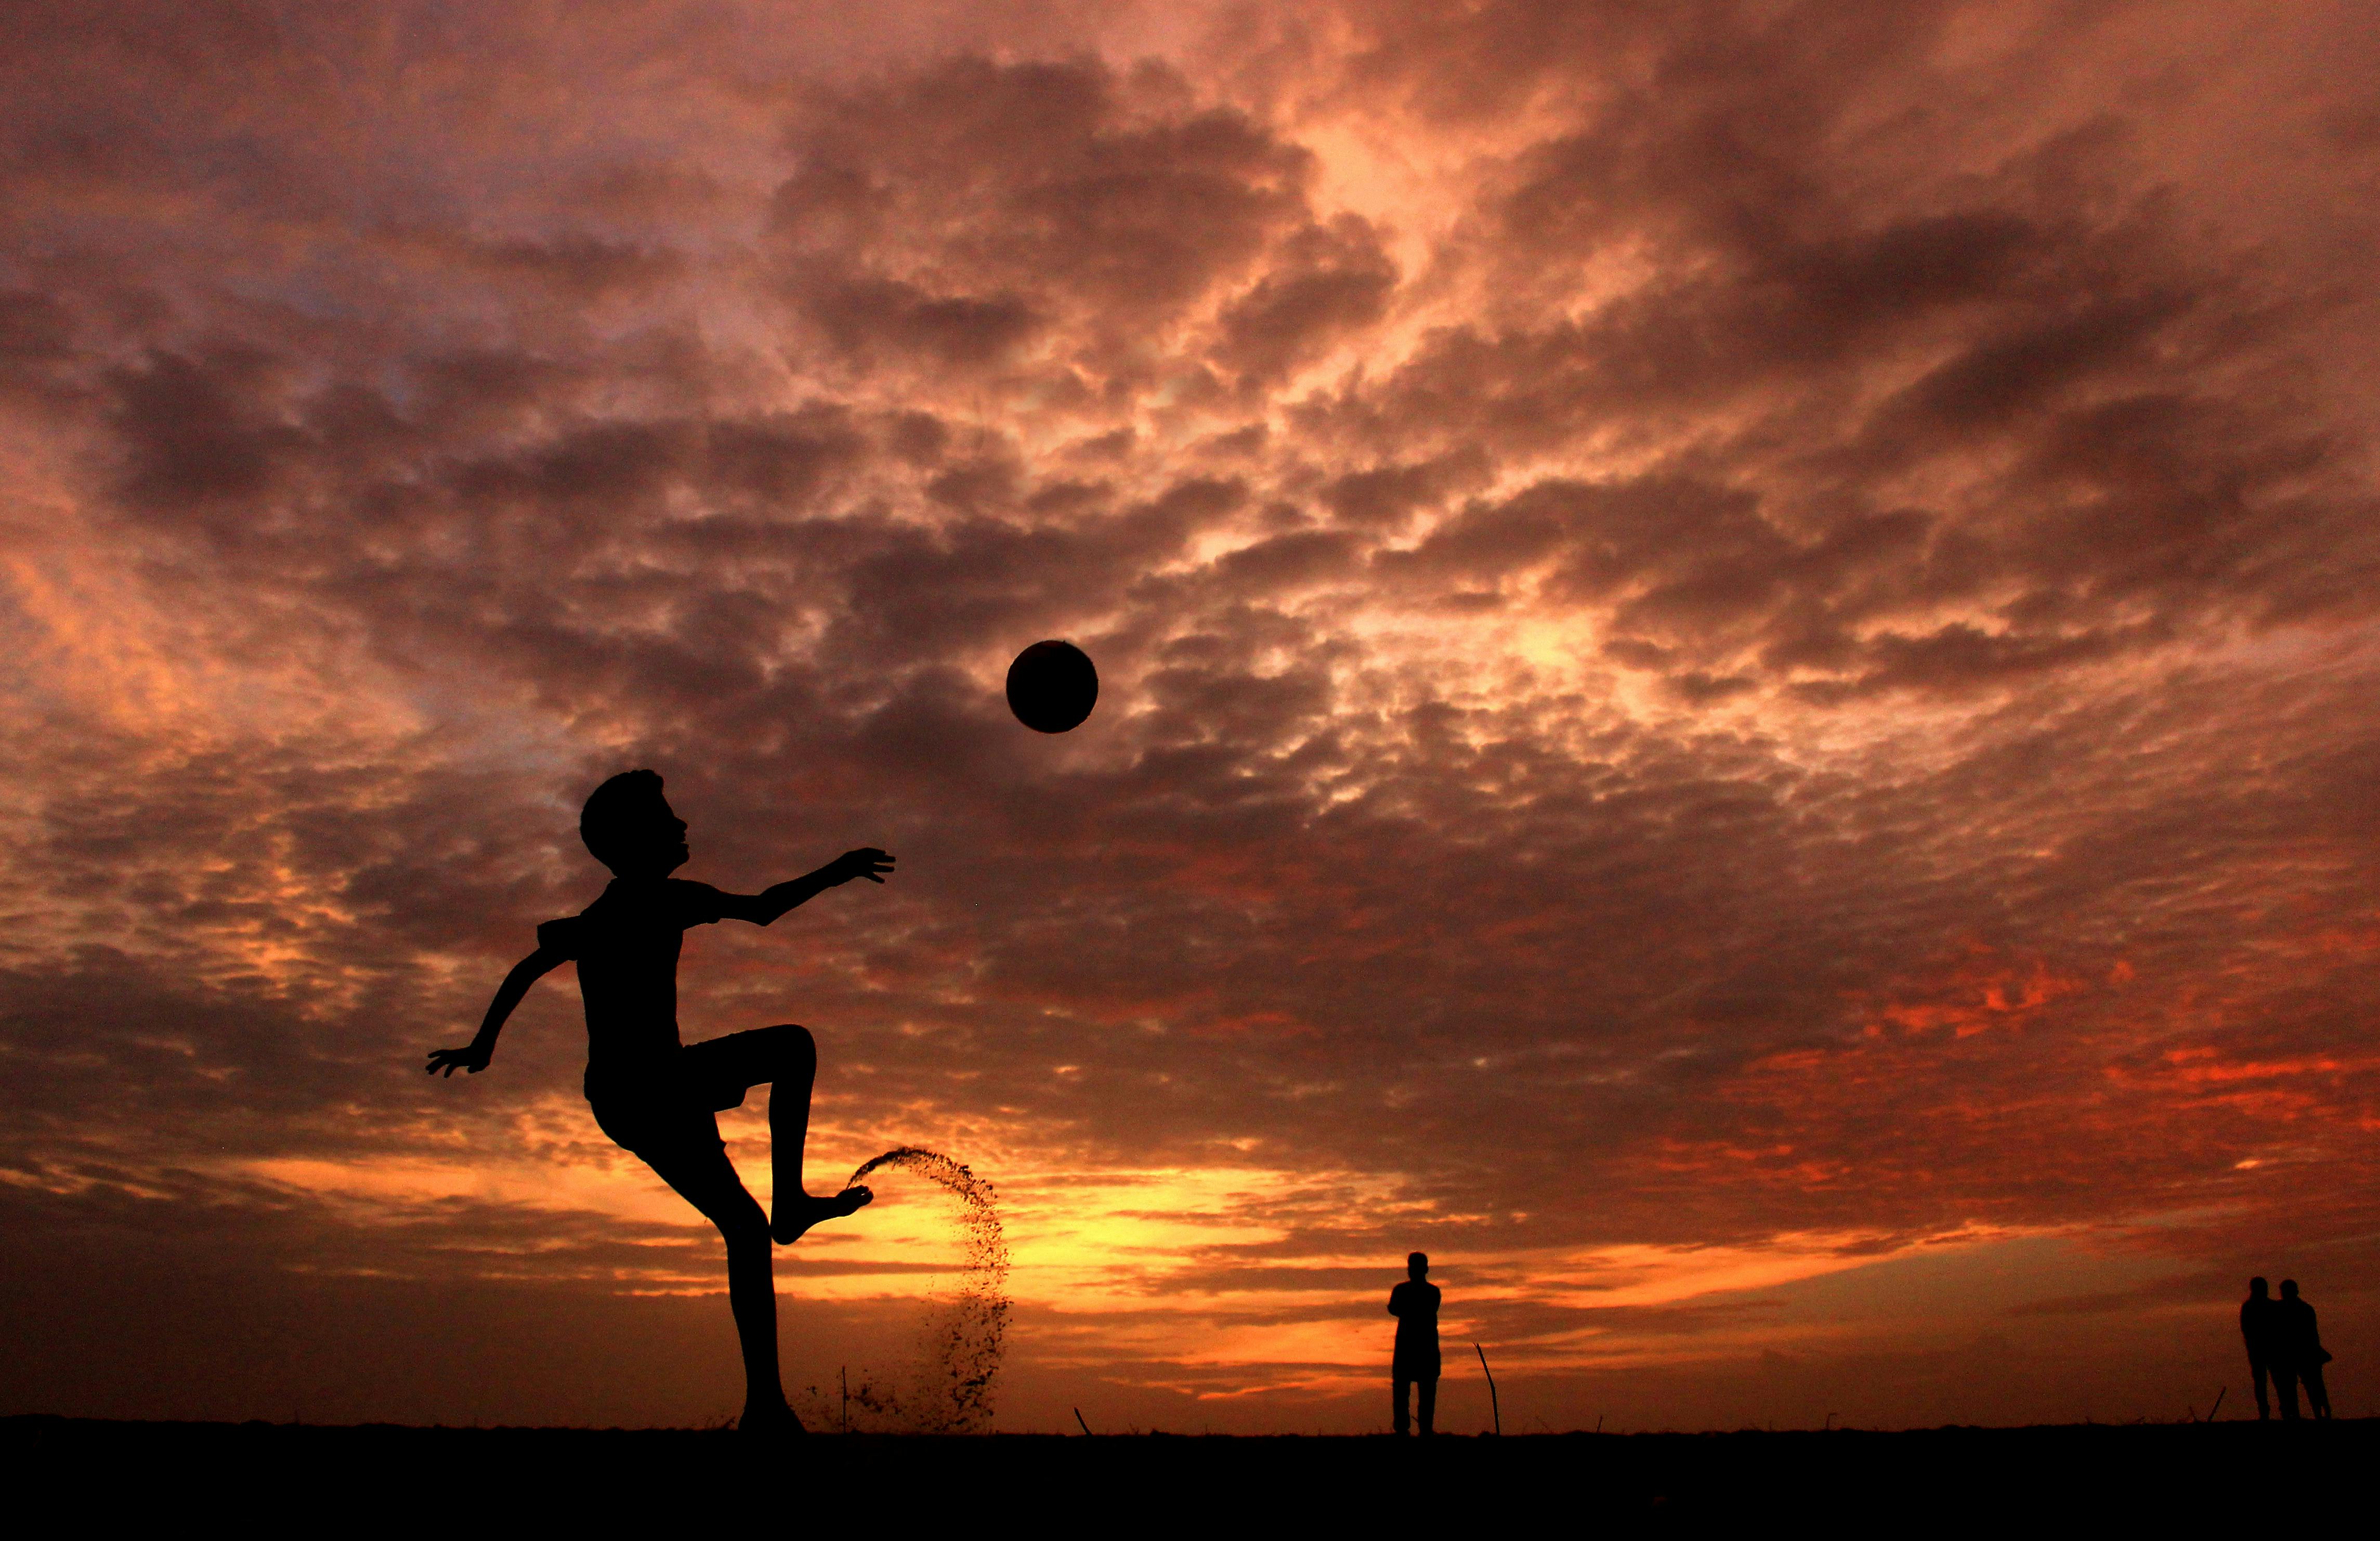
2285 1388
1402 1419
784 1058
1429 1385
789 1108
2317 1394
708 1180
671 1123
2256 1373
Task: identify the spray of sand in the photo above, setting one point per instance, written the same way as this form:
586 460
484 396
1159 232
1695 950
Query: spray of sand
966 1327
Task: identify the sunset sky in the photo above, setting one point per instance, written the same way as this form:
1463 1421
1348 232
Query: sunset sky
1738 649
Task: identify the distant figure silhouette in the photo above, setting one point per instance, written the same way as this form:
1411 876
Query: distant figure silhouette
660 1100
2260 1326
2302 1355
1415 1306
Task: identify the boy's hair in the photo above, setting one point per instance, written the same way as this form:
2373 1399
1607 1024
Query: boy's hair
614 810
1414 1258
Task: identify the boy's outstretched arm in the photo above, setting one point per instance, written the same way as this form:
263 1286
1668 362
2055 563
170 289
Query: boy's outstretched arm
762 908
473 1055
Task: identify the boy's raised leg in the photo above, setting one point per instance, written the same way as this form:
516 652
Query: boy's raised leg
792 1074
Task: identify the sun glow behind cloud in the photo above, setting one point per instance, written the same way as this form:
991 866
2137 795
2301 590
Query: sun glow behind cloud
1125 1266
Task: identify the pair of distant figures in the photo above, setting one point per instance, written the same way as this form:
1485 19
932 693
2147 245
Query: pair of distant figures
2285 1347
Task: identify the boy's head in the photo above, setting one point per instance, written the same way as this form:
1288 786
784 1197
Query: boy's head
628 827
1416 1265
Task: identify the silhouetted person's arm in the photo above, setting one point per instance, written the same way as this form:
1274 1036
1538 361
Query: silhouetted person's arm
473 1055
762 908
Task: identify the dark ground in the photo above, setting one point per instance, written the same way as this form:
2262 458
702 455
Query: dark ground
379 1477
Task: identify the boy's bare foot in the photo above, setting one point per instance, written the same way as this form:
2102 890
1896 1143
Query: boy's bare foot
778 1422
802 1211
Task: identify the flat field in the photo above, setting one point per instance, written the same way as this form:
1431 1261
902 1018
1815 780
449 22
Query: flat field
608 1481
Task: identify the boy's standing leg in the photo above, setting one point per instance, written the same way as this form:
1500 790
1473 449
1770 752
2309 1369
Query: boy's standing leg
1402 1420
707 1180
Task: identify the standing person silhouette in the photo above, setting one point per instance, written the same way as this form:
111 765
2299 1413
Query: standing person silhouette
1415 1306
2301 1343
659 1098
2259 1326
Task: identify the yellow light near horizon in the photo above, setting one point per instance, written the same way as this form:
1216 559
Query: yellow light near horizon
1137 1266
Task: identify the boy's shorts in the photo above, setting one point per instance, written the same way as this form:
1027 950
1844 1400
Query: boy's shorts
672 1109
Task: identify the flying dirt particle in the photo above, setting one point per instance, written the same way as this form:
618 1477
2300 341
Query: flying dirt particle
965 1329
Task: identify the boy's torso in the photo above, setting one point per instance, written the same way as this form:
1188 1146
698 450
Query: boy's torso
626 945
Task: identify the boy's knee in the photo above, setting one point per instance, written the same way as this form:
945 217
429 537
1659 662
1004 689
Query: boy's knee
744 1227
793 1043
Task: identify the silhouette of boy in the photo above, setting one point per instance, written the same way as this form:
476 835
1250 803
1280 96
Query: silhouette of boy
660 1100
2301 1353
2259 1322
1415 1306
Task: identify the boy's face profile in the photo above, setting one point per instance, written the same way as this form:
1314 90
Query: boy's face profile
628 826
651 844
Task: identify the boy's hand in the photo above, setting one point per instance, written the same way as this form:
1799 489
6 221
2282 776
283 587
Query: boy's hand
866 862
471 1057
